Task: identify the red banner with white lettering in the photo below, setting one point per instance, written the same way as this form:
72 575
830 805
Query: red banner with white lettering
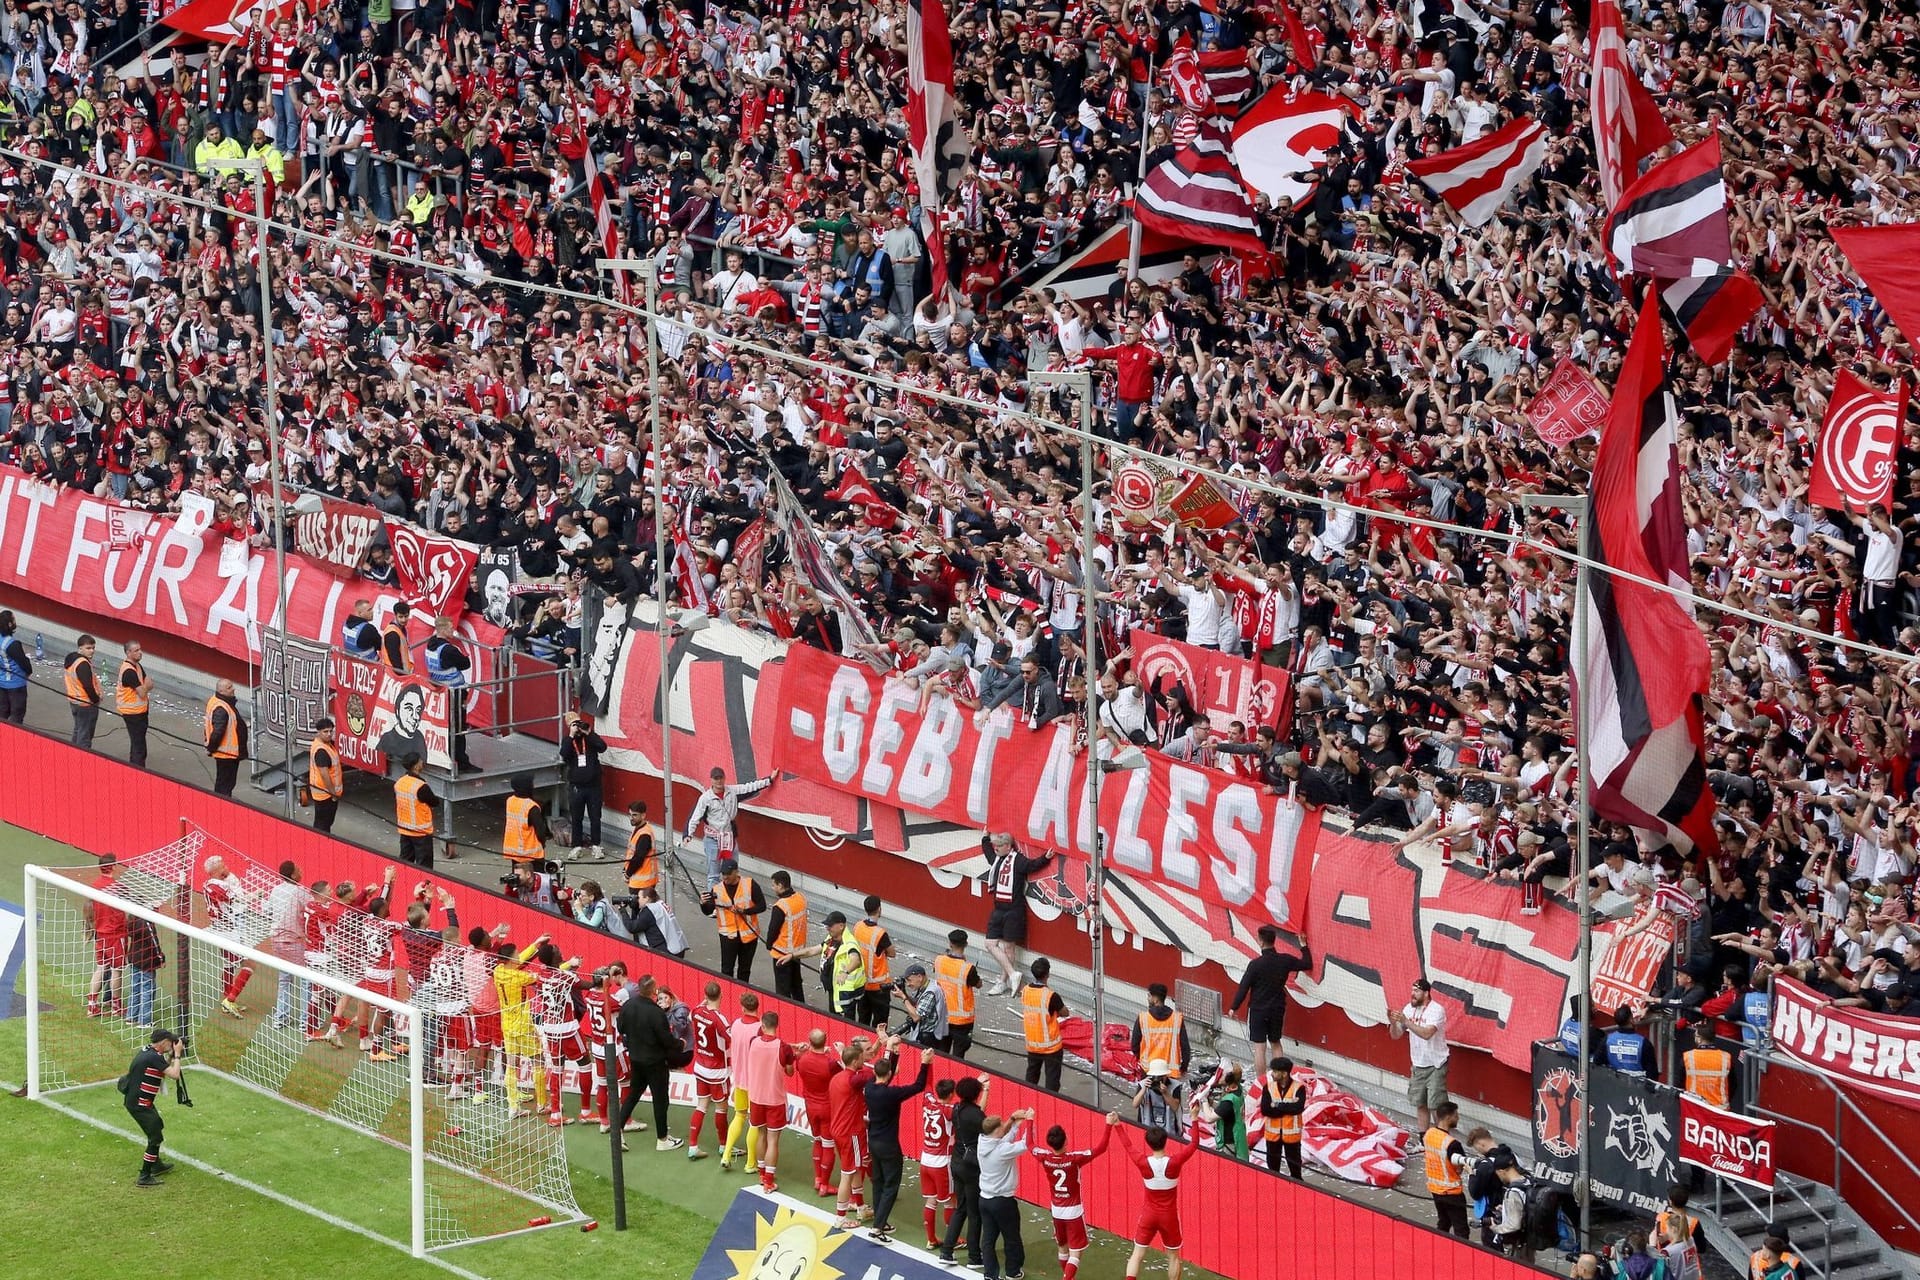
1225 686
1868 1051
1631 966
334 532
1198 831
380 714
1733 1146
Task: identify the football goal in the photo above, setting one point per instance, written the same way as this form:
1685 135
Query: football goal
399 1129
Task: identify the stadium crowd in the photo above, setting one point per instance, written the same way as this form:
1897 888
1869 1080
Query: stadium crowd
1377 364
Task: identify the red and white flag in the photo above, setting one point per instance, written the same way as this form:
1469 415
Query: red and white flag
1200 503
1475 180
1189 85
1853 462
1230 80
936 140
1627 126
1884 257
1642 667
686 572
1672 223
127 528
1306 49
1197 195
1283 136
1570 404
1712 310
432 572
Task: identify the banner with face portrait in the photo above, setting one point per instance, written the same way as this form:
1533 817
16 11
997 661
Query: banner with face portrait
495 580
379 713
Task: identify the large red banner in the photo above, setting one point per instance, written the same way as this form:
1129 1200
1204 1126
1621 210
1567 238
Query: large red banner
1223 685
1878 1054
1733 1146
1199 831
379 713
334 532
1631 966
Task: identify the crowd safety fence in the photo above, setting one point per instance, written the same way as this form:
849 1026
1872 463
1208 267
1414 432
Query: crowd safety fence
1240 1221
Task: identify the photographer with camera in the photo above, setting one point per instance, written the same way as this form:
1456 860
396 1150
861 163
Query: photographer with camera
140 1087
581 753
527 883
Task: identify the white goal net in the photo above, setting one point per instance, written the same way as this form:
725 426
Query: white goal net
344 1079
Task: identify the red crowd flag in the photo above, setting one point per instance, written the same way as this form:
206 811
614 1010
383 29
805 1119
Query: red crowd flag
1198 195
1884 258
1306 52
1627 126
1853 461
936 140
1641 664
1199 502
1475 180
1712 310
1570 404
1672 223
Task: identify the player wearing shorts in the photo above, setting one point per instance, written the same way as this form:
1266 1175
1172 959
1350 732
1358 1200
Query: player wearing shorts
769 1062
226 905
338 920
1062 1169
936 1160
518 1041
557 1017
711 1041
317 925
444 991
741 1030
598 1024
483 1001
108 927
847 1121
814 1067
1160 1173
377 934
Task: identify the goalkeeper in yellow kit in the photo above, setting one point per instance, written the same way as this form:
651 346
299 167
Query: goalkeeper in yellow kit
519 1044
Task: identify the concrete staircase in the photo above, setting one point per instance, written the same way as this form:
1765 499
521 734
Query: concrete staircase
1831 1239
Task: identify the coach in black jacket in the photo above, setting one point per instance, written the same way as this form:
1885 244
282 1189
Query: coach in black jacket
653 1051
884 1100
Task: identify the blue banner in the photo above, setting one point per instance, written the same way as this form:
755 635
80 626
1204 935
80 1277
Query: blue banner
775 1237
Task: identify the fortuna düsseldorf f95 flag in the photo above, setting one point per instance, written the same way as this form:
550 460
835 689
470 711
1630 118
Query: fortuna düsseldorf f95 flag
1853 459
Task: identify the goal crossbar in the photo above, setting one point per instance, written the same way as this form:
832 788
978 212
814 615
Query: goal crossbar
416 1061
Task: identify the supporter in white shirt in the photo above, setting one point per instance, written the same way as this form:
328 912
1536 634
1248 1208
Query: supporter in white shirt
1424 1023
728 287
1207 611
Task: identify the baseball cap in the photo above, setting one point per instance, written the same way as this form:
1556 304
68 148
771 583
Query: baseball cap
728 866
915 971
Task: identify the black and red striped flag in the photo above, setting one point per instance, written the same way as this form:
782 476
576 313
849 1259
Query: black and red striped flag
1672 223
1198 195
1641 667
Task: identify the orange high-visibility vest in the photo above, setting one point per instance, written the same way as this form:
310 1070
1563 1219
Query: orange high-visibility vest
409 810
1160 1038
1708 1071
951 973
131 701
648 876
1284 1128
1442 1178
76 688
735 922
324 781
406 654
228 747
867 934
1043 1026
521 843
792 938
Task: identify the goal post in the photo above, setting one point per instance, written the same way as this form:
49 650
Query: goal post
323 1127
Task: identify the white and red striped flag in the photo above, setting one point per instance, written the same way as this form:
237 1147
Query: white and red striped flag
1198 195
1672 223
1627 126
936 140
686 572
1475 180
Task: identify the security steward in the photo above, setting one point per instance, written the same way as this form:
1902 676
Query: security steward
140 1089
787 938
1709 1068
876 946
642 865
845 972
83 693
736 903
1446 1157
226 737
1774 1260
16 669
1041 1010
1161 1032
1627 1051
394 649
358 636
447 667
959 980
415 811
133 688
527 834
1283 1100
326 780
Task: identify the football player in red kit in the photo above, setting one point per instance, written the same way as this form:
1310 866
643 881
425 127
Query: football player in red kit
711 1040
600 1017
847 1118
1160 1173
1062 1168
936 1159
814 1067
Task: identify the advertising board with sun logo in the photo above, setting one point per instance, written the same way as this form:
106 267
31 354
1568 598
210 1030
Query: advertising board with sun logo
772 1237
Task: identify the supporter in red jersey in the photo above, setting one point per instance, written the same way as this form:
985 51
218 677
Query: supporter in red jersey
1062 1168
1160 1174
814 1068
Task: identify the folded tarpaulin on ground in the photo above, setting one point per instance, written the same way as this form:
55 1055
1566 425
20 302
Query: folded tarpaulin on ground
1116 1057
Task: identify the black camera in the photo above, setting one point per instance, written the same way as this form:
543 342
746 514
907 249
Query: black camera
631 901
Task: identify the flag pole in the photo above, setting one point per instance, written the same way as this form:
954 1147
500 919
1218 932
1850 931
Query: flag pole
1140 178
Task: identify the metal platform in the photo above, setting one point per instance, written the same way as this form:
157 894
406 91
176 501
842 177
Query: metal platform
498 761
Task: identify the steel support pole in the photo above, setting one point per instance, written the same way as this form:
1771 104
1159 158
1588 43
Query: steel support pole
1090 627
276 475
1583 834
650 273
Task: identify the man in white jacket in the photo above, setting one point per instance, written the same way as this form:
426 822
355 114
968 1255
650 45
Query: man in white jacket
1002 1142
